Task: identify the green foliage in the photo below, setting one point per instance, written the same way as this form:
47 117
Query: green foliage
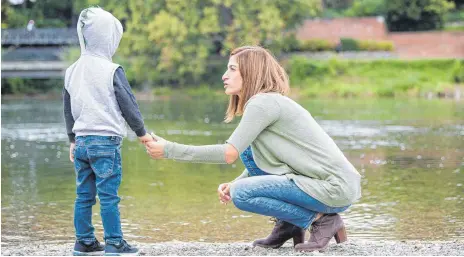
45 13
454 28
330 13
454 16
315 45
416 15
349 44
171 41
362 8
459 4
290 43
371 45
382 78
338 4
30 86
301 68
458 71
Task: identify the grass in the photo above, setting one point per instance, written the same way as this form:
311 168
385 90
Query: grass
381 78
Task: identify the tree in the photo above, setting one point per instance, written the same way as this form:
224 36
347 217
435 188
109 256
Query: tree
45 13
415 15
172 41
459 3
362 8
337 4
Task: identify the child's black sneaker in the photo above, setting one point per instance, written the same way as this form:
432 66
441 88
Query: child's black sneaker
88 249
120 249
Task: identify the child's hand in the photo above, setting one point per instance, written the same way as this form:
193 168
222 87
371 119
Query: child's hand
146 138
71 152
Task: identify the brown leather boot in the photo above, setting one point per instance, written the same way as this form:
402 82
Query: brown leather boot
282 232
322 230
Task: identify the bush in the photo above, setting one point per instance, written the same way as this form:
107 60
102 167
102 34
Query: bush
302 68
349 44
290 43
370 45
458 72
30 86
315 45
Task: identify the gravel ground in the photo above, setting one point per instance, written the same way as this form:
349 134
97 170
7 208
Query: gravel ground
352 247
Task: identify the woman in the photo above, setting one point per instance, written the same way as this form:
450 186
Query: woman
294 171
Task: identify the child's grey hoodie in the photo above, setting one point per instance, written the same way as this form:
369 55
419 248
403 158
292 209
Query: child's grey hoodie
97 96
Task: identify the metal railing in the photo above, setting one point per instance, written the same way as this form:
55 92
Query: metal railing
46 36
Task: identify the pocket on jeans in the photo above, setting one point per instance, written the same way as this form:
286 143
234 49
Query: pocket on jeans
102 161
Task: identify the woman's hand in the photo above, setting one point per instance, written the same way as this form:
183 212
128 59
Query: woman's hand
224 193
156 148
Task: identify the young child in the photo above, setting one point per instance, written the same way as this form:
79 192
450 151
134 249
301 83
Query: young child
97 100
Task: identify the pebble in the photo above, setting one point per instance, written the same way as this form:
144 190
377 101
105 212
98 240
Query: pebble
352 247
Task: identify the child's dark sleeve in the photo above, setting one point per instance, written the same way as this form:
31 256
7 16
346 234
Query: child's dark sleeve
127 103
68 118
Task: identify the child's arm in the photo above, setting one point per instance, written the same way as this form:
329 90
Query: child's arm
128 105
69 120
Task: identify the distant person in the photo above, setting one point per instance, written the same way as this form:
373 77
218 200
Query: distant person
30 26
294 171
338 47
97 100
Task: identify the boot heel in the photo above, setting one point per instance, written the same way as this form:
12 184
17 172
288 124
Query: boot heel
340 236
298 239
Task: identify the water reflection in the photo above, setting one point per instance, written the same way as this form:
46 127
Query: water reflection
410 154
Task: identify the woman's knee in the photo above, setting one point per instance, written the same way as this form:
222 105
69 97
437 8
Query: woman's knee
239 192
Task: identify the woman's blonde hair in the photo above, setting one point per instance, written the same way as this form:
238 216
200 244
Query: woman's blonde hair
261 73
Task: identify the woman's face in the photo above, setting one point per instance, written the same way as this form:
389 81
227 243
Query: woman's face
232 78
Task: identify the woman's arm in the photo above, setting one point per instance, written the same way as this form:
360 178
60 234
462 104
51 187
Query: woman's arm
259 114
221 153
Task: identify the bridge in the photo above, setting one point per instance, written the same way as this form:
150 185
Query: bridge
36 54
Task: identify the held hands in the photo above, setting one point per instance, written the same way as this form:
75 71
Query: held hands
146 138
155 148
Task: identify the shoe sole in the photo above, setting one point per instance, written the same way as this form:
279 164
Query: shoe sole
268 246
123 254
77 253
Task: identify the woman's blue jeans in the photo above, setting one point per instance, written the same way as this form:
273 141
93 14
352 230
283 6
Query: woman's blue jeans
276 196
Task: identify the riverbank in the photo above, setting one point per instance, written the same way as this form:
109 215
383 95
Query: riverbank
295 93
333 78
352 247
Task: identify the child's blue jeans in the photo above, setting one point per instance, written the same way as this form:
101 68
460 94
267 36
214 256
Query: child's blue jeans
276 196
97 161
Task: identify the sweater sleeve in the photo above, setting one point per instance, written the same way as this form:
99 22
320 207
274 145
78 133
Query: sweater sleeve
127 103
191 153
259 114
